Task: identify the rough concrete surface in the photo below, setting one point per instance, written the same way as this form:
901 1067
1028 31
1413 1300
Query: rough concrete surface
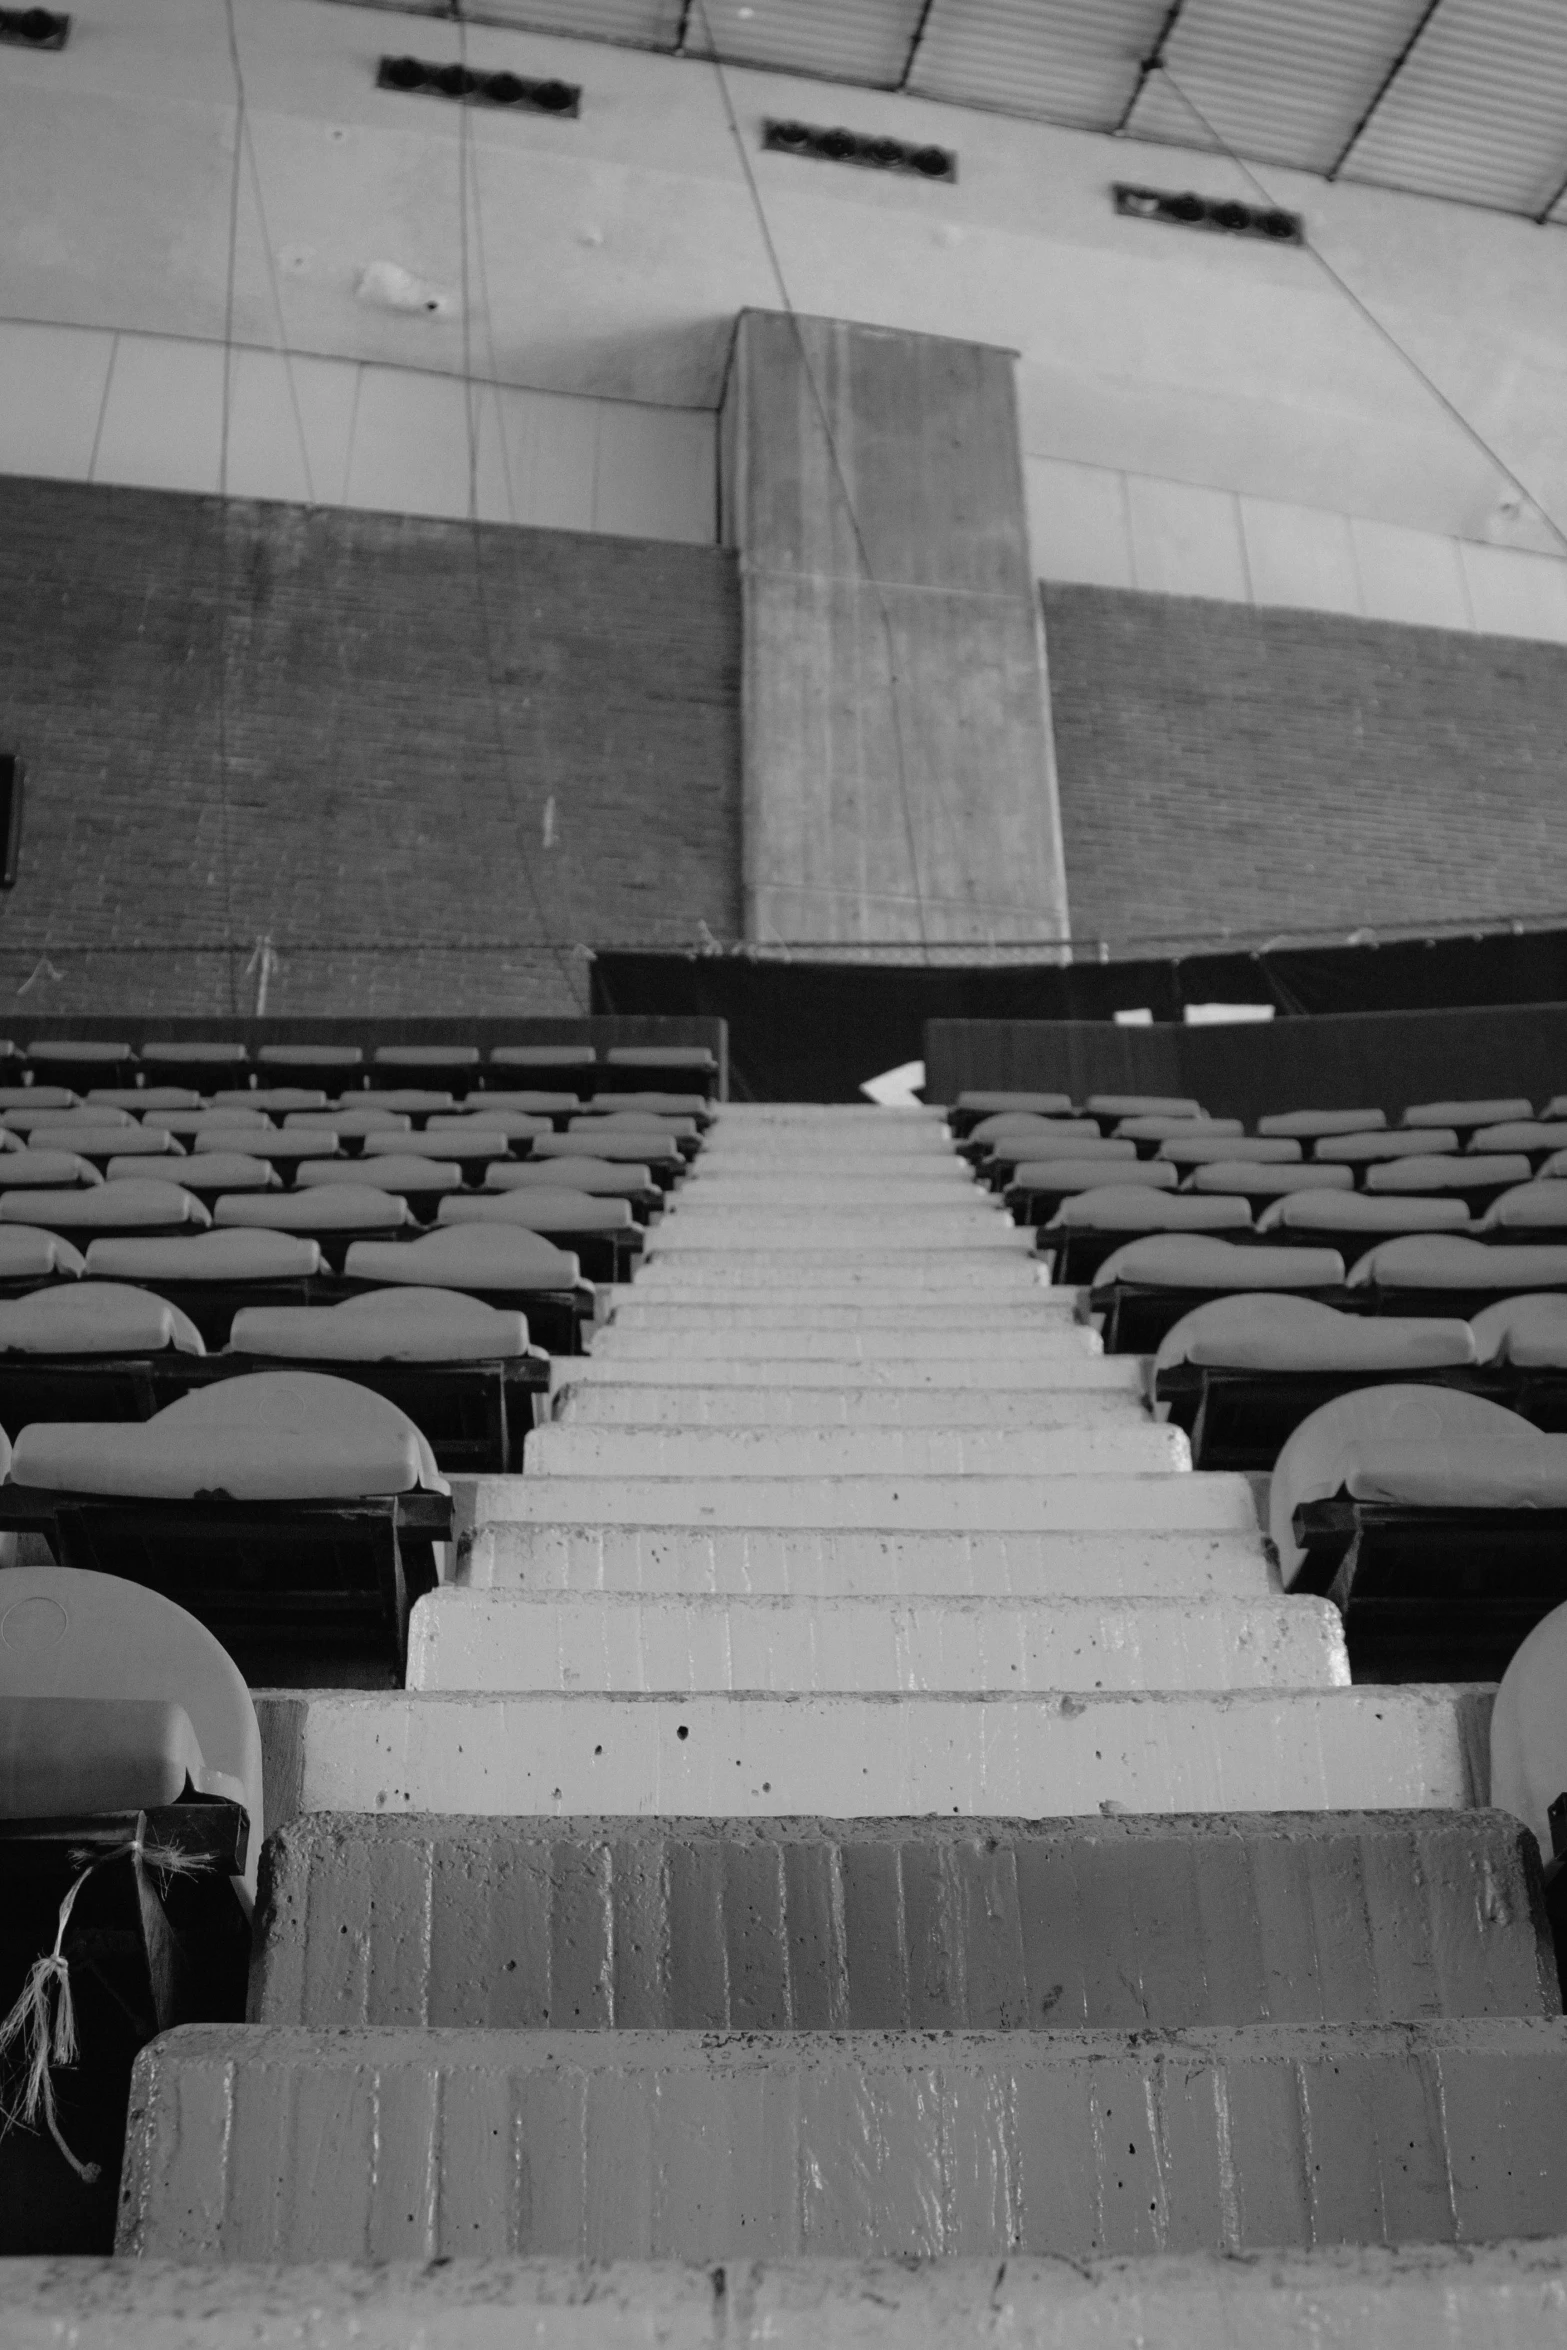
252 2143
1130 1923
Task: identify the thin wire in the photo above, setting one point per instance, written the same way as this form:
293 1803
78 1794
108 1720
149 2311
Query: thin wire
1364 311
776 266
486 632
284 352
225 856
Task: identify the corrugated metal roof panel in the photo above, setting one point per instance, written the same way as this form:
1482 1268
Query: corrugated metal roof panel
839 40
637 24
1279 82
1479 112
1060 60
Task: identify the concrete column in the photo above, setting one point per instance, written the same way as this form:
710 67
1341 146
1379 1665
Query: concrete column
899 770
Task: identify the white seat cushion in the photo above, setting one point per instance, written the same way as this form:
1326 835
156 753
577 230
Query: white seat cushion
206 1256
1433 1176
1116 1207
214 1171
645 1149
85 1756
466 1256
1482 1113
95 1318
27 1250
406 1172
1202 1150
1462 1474
1312 1125
1282 1182
1153 1128
390 1325
1266 1332
45 1170
1437 1260
605 1178
1357 1212
1540 1205
1013 1150
1189 1260
1045 1105
1368 1149
114 1206
361 1118
1090 1175
476 1138
540 1211
1530 1332
1138 1105
1314 1461
491 1115
350 1207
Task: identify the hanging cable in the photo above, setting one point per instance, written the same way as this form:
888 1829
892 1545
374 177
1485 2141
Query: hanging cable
840 477
481 587
1364 311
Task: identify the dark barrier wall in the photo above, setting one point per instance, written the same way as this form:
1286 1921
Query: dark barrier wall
1231 768
401 749
815 1031
1379 1060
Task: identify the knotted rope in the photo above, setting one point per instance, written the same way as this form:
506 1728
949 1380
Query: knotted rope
41 2027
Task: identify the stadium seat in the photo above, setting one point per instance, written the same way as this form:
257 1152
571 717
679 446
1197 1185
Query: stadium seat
45 1170
1038 1186
1537 1211
1476 1180
1110 1108
463 1371
1150 1130
204 1062
603 1233
1366 1150
520 1110
1239 1375
102 1211
416 1103
1146 1286
28 1122
521 1064
285 1148
662 1159
294 1514
126 1733
333 1216
627 1066
1312 1126
100 1144
31 1259
81 1061
137 1100
1245 1180
187 1124
659 1105
90 1350
1466 1116
274 1100
1436 1522
1092 1224
1205 1150
507 1266
212 1275
335 1065
1537 1138
625 1179
1529 1757
1447 1273
972 1105
455 1066
353 1122
422 1182
994 1167
489 1115
208 1173
471 1143
1317 1218
37 1097
1523 1342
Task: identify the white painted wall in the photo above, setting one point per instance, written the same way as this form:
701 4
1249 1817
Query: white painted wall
616 251
1110 528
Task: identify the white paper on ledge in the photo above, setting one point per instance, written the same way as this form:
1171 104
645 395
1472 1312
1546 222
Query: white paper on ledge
897 1089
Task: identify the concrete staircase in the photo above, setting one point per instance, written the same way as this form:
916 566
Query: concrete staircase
857 1664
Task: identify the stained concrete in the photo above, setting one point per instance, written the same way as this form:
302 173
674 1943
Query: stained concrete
1133 1924
258 2143
1506 2296
1128 1442
764 1755
605 1403
466 1639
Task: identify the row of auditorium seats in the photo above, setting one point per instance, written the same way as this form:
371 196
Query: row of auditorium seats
461 1068
1393 1359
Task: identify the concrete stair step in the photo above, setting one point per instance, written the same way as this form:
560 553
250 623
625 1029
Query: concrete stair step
976 1270
514 1641
1418 2297
942 1183
1069 1372
1003 1322
1130 1443
746 1231
1359 1749
995 1352
887 1925
843 1564
601 1404
258 2142
1154 1503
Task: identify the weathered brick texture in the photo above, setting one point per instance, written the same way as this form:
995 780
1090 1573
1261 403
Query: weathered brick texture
401 745
1228 769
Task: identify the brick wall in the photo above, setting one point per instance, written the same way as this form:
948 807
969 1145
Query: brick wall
402 752
1225 768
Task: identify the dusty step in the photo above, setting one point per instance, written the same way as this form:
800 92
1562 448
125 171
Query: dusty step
513 1641
602 1404
1068 1371
266 2142
940 1183
929 1925
1419 2297
802 1337
980 1270
685 1559
843 1757
1003 1323
1130 1443
1153 1503
751 1232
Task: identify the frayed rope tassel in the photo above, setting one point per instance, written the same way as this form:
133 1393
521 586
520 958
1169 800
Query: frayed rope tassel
41 2027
